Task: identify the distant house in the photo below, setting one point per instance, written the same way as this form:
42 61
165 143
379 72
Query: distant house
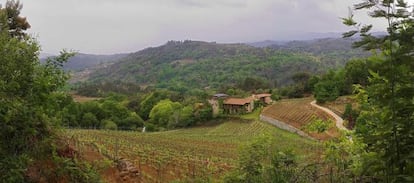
238 105
264 97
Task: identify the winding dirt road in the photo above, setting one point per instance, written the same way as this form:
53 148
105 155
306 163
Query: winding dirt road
338 120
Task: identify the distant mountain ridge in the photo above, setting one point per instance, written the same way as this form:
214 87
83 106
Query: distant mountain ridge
317 46
265 43
83 61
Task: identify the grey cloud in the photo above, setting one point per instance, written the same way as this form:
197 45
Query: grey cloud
107 26
212 3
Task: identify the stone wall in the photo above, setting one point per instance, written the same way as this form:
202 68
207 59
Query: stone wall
285 126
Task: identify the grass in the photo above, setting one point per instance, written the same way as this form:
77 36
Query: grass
253 115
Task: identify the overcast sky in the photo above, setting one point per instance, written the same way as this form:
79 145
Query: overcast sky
114 26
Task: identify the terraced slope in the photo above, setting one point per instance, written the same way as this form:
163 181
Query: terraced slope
298 113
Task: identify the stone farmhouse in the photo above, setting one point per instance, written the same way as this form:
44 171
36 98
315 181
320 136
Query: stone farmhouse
231 105
238 105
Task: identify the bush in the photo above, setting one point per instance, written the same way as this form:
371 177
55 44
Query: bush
131 122
73 170
259 161
275 96
326 91
350 116
149 127
318 125
12 168
109 125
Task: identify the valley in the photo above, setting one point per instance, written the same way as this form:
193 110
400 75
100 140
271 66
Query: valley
210 102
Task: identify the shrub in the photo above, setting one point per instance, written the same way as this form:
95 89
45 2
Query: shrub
318 125
109 125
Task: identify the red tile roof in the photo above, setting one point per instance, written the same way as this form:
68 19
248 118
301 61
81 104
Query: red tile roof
263 95
237 101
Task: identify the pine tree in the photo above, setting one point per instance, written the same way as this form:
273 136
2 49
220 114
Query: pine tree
386 121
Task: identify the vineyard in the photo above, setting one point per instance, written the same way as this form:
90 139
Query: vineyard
338 106
298 113
202 153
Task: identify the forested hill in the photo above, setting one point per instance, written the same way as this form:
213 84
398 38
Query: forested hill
195 64
318 46
333 50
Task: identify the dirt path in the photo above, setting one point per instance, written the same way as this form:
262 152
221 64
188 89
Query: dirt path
339 121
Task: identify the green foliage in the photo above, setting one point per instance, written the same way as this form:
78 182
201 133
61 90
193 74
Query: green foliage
252 84
350 115
252 157
188 65
387 107
303 84
114 110
251 161
204 113
326 91
341 82
284 167
92 114
13 168
166 113
74 170
356 72
104 88
89 120
260 162
122 110
275 95
109 125
186 117
93 107
149 127
235 92
133 121
318 125
149 102
301 81
344 159
29 104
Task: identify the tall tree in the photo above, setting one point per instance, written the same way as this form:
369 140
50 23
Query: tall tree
386 121
27 89
166 113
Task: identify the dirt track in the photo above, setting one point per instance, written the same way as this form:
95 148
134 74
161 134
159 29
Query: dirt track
338 120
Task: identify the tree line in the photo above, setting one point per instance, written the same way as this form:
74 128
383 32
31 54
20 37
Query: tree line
156 110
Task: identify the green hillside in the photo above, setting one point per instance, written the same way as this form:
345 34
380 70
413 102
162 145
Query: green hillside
332 51
81 61
195 64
